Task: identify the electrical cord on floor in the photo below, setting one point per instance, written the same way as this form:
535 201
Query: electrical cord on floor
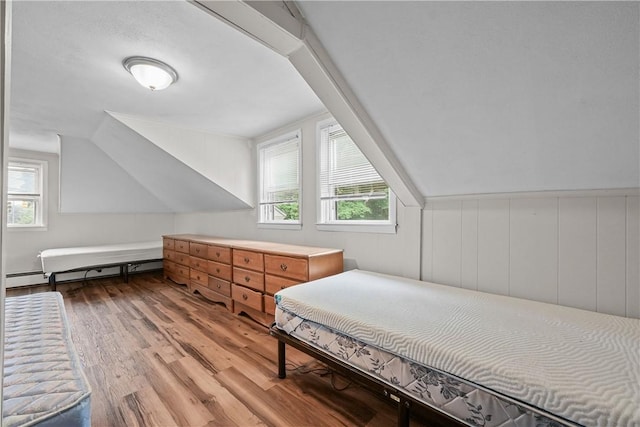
321 371
84 279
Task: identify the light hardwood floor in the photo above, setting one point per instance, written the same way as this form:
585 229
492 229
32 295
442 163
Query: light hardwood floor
156 355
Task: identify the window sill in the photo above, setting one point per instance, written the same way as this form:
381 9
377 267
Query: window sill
279 226
359 228
12 228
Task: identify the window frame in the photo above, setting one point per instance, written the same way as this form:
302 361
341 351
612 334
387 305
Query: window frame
365 226
280 224
40 198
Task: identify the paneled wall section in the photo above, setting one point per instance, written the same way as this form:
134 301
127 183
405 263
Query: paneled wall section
572 249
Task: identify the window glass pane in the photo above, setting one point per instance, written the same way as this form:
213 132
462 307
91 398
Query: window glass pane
23 179
25 200
350 187
21 212
368 208
280 180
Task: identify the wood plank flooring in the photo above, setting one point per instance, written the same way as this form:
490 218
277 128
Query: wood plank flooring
156 355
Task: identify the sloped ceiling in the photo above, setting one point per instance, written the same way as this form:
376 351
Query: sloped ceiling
471 97
67 70
486 97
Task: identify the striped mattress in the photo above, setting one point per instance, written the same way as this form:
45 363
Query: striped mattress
44 384
570 365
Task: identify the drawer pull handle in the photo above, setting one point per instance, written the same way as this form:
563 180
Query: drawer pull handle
283 267
197 250
218 285
218 254
247 278
217 270
246 260
245 297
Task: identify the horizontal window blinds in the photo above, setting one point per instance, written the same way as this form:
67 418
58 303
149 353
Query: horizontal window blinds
280 174
344 171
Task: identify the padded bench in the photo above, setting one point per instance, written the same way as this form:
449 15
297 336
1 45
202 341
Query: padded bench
44 384
85 258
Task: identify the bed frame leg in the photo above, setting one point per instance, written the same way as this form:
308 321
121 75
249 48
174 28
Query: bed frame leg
403 413
282 371
52 281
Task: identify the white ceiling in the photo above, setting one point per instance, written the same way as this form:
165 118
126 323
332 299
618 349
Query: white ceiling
67 70
472 97
488 97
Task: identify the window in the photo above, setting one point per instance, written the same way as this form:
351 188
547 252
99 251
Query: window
279 180
351 191
25 195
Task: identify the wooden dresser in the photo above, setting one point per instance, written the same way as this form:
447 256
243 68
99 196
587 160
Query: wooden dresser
244 274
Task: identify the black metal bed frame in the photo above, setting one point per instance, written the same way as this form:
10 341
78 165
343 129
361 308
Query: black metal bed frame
406 404
124 270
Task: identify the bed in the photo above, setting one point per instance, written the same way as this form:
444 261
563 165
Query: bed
44 384
85 258
468 358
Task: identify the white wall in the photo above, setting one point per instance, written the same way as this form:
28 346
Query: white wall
388 253
221 158
574 248
93 182
579 249
65 230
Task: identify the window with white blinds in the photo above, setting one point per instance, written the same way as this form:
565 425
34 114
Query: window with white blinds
279 180
25 193
351 190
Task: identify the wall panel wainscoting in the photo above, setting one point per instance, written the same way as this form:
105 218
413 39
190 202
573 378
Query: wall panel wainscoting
574 248
157 355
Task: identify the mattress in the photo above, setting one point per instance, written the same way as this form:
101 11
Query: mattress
44 384
65 259
570 364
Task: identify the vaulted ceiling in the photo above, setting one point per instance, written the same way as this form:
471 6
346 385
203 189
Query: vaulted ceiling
486 97
67 70
466 97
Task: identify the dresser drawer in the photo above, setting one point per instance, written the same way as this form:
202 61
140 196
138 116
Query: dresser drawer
294 268
168 266
198 249
273 284
182 258
220 286
199 263
200 277
181 270
219 270
181 246
169 254
219 253
246 296
248 259
248 278
269 305
168 243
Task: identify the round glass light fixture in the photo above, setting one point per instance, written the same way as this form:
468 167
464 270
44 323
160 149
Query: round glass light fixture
150 73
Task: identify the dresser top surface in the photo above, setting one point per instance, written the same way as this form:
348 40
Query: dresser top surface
256 245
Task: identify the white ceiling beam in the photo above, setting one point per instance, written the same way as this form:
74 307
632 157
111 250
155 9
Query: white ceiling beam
263 21
276 26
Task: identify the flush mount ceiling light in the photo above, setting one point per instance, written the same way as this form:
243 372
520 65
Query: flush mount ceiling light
150 73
